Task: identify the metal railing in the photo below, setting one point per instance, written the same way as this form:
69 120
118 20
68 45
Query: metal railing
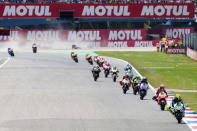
190 40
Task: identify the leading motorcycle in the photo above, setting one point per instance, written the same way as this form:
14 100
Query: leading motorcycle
34 48
11 52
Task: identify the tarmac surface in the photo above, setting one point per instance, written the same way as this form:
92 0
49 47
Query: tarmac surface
50 92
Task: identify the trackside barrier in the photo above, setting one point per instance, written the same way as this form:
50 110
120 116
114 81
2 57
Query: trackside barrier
192 54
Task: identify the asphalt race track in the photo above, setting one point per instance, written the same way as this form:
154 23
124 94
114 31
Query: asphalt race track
49 92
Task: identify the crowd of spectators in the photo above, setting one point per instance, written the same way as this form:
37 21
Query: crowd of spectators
99 1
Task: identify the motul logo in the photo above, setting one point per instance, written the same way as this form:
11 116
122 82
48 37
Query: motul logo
106 10
177 33
166 10
26 10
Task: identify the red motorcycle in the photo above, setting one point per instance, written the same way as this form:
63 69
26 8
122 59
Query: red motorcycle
161 100
125 83
106 70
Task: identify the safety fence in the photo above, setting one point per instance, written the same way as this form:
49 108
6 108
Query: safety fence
190 41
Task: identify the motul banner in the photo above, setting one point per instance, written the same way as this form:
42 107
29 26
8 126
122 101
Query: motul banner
177 32
176 50
82 38
160 10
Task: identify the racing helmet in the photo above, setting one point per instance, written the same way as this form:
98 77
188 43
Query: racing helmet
114 68
161 86
129 71
144 79
178 96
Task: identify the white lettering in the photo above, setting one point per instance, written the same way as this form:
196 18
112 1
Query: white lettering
26 10
118 44
125 35
166 10
105 10
143 44
9 11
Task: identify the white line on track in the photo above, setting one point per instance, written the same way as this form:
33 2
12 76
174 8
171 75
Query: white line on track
6 61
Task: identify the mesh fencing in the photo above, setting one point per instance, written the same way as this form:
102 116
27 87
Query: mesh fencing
190 40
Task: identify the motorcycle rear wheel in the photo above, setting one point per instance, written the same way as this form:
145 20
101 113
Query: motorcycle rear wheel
114 79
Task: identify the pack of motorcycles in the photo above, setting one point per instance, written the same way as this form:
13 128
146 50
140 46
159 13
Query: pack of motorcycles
178 110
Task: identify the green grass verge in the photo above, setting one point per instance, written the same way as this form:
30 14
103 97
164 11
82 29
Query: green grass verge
189 98
174 71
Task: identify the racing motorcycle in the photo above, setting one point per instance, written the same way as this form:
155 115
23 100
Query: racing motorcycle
95 75
11 52
89 59
179 111
161 100
143 90
74 57
114 76
34 48
125 85
106 71
135 86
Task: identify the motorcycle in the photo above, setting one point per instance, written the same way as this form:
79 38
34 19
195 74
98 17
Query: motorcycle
34 49
125 85
135 87
143 90
89 59
179 111
114 76
95 75
106 71
11 52
130 74
161 100
100 63
74 57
